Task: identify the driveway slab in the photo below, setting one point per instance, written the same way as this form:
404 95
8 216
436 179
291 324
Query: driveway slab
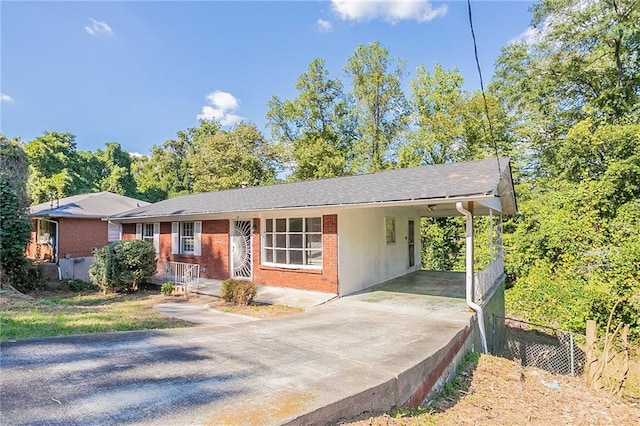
260 372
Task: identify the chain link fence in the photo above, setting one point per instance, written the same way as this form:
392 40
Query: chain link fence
534 345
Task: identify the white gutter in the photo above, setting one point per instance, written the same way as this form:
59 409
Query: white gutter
469 275
56 247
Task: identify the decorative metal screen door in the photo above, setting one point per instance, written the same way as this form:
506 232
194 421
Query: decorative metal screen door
241 249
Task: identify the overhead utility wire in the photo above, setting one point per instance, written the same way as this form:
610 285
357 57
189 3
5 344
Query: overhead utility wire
484 97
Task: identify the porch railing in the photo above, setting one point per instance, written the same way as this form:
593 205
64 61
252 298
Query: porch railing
488 278
180 274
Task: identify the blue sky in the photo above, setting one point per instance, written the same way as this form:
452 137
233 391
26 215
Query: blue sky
138 72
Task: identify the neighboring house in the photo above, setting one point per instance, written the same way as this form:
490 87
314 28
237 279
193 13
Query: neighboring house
66 231
336 235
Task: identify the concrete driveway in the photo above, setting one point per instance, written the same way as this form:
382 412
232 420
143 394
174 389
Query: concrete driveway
340 358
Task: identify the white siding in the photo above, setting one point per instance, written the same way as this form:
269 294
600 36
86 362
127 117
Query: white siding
365 259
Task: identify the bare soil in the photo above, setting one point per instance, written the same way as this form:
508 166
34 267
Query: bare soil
497 391
257 310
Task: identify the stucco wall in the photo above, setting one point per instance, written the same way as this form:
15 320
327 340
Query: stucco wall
75 268
365 257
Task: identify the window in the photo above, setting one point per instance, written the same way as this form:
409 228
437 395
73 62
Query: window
293 241
147 232
45 232
114 231
186 237
390 229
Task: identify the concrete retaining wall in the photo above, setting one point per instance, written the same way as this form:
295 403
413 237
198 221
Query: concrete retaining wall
494 305
409 388
75 268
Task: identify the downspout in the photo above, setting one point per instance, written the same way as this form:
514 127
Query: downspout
469 273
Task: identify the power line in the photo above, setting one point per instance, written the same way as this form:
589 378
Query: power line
484 96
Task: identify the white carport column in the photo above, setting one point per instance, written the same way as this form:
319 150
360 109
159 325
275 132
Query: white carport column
467 211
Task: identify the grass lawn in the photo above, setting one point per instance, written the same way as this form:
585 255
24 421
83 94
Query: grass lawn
64 313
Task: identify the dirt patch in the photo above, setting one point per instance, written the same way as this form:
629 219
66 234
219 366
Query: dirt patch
258 310
499 391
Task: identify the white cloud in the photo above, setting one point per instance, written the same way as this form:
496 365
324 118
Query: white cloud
222 107
323 26
97 28
386 10
5 98
136 155
528 36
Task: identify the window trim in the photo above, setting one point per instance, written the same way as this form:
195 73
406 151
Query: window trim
304 233
177 238
39 233
145 227
390 237
183 238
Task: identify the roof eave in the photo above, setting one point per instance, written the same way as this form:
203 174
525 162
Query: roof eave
396 203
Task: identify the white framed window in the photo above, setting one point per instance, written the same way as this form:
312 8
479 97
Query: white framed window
390 229
114 232
186 237
294 241
45 232
149 232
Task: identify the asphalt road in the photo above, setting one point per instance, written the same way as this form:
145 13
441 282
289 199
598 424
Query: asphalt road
259 372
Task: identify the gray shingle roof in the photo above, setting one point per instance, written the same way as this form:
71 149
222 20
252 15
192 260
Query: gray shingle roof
474 178
92 205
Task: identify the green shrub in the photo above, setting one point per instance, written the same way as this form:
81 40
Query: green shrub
122 265
167 288
240 292
79 285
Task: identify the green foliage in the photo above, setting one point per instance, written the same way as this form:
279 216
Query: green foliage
122 265
80 285
381 107
167 288
240 292
450 123
231 158
316 129
15 226
117 177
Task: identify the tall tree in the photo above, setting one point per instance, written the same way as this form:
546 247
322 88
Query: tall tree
317 127
380 104
231 159
15 225
53 166
581 64
117 177
165 173
574 92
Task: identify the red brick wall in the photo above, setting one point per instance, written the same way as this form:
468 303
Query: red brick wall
78 237
325 280
214 262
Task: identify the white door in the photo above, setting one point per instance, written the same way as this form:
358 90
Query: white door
241 249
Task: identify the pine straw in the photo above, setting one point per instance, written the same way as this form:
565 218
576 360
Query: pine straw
499 391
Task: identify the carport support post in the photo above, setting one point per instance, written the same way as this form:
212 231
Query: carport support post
467 211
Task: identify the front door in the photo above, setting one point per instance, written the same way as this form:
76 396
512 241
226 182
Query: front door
241 249
412 244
